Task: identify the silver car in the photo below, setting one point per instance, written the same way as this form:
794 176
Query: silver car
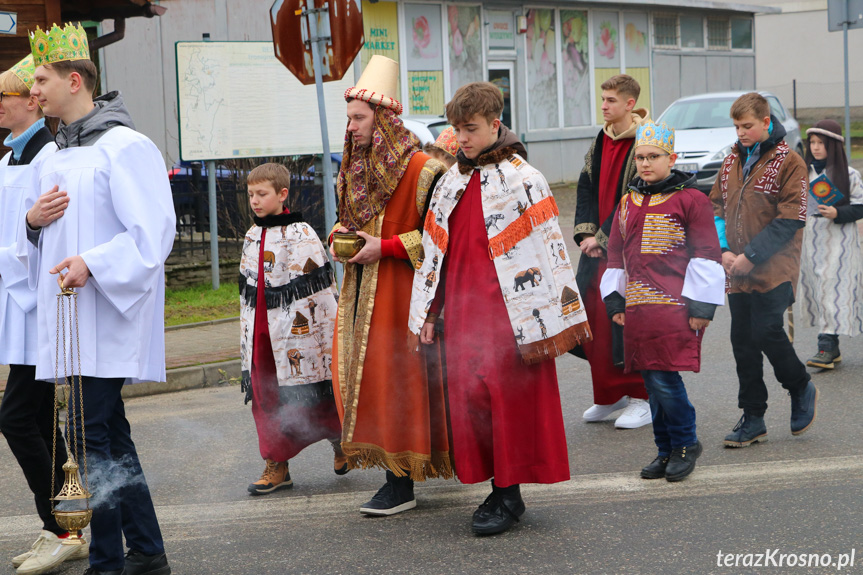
426 128
704 131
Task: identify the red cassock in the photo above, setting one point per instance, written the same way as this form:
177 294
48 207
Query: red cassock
505 416
610 383
657 236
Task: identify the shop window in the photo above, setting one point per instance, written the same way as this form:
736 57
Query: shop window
637 53
606 53
665 30
691 32
424 59
465 45
575 68
543 110
717 34
741 34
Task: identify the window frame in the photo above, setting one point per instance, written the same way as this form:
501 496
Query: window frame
656 44
727 21
751 34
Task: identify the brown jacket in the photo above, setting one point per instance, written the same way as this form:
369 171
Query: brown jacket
777 188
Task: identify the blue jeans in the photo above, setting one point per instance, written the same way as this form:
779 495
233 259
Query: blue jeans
121 500
673 414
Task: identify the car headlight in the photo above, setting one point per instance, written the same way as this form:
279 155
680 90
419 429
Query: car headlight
720 155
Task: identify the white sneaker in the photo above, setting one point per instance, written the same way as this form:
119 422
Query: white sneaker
636 414
47 553
600 412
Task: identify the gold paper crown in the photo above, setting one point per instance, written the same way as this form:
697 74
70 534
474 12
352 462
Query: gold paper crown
659 135
25 70
58 45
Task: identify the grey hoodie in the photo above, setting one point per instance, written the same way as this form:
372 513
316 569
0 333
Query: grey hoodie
108 112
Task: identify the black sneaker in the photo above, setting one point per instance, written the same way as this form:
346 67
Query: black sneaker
825 359
395 496
499 512
656 469
750 429
682 461
804 408
139 564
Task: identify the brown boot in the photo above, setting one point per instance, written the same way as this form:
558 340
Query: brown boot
275 475
340 460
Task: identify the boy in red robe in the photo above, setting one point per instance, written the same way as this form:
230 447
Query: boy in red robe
663 283
512 306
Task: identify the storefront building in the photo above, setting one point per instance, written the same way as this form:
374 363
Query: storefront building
550 60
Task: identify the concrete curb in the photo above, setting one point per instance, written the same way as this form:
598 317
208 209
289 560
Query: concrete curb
202 323
183 378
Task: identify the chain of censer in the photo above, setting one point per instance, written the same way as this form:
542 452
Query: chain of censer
71 410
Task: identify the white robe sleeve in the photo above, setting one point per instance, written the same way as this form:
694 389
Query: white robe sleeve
15 277
704 281
128 267
613 280
29 255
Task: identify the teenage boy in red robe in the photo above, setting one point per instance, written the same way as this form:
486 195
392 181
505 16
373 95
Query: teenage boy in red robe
511 306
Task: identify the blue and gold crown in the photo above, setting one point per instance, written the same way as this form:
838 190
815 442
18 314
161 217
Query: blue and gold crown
59 45
659 135
24 70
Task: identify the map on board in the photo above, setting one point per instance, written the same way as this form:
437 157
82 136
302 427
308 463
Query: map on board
237 101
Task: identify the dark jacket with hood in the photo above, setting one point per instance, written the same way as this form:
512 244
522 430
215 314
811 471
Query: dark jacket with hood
108 112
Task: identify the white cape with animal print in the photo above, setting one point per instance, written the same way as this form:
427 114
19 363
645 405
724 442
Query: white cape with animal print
301 302
527 247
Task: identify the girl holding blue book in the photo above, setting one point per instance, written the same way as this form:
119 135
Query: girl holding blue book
831 272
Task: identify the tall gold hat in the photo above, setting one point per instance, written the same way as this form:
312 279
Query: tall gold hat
378 84
25 70
659 135
59 44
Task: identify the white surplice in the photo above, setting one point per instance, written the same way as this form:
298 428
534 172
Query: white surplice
121 220
17 298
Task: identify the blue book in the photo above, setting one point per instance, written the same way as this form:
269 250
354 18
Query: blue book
824 192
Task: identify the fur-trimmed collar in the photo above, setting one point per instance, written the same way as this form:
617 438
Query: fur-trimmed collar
279 220
492 157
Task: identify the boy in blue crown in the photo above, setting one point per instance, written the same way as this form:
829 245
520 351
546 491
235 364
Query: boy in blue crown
663 283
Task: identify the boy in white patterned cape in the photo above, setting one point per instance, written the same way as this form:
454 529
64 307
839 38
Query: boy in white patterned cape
286 331
496 256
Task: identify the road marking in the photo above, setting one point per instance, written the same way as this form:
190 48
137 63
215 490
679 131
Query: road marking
712 480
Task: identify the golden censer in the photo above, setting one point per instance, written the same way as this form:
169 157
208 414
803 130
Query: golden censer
72 510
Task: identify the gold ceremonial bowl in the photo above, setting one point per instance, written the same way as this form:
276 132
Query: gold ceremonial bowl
347 244
73 520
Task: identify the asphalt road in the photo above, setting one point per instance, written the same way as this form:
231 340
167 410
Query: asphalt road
791 495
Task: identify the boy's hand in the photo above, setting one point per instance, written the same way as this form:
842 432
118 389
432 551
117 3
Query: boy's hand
741 266
49 207
427 333
590 247
77 275
828 212
618 318
370 253
697 323
727 261
341 230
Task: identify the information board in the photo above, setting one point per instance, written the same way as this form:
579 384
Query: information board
236 100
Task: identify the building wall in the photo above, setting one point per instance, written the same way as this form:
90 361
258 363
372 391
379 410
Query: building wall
798 46
557 66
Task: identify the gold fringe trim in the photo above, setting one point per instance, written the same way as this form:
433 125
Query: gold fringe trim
521 227
417 466
437 233
554 346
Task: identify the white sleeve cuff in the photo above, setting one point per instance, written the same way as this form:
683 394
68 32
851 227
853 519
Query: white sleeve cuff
614 280
704 282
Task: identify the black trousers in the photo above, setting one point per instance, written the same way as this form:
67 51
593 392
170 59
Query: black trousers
121 501
757 328
27 422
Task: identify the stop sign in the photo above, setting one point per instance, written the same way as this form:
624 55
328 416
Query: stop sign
290 34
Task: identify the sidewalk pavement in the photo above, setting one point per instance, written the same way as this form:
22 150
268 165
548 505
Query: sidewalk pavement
194 354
